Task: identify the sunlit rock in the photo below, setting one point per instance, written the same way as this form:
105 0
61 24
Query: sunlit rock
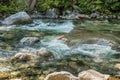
83 16
5 68
4 75
41 78
14 74
16 79
92 75
18 18
23 78
112 78
45 53
22 57
63 75
28 41
64 39
117 66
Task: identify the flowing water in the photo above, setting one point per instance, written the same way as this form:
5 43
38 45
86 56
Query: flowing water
96 41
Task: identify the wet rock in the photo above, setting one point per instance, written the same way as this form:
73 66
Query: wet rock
45 53
1 35
117 66
64 39
52 13
28 41
99 41
92 75
114 16
118 17
95 15
22 57
8 36
110 16
83 16
36 15
73 15
73 65
49 71
63 75
18 18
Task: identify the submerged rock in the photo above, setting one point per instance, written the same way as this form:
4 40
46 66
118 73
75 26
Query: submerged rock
99 41
45 53
92 75
63 75
18 18
28 41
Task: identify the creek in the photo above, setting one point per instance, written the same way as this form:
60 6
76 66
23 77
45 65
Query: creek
89 41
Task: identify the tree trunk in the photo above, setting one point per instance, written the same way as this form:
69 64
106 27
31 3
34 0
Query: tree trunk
32 4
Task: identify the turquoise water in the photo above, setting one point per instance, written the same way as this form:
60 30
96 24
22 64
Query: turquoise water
80 52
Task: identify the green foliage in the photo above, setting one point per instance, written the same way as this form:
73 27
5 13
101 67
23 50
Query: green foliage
85 6
43 5
20 5
14 6
115 5
5 8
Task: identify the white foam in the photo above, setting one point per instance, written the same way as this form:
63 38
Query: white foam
65 26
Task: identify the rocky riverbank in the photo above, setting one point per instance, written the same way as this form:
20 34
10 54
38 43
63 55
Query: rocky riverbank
75 14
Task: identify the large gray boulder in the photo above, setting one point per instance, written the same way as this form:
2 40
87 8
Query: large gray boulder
18 18
28 41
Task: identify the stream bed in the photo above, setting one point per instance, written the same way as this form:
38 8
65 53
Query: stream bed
76 46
